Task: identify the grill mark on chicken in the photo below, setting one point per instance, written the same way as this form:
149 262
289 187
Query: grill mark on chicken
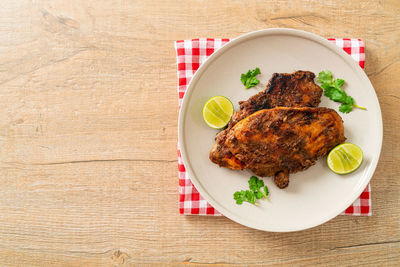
271 139
283 90
293 150
283 140
290 90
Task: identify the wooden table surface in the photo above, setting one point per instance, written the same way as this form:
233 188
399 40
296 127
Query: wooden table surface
88 133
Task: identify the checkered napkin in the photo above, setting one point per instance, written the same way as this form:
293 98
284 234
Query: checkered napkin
190 55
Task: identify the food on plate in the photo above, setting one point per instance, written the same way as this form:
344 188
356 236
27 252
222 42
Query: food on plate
257 191
345 158
279 141
297 89
249 79
289 90
332 89
281 130
217 112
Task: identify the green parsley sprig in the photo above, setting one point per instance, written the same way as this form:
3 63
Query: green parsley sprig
249 79
332 89
257 191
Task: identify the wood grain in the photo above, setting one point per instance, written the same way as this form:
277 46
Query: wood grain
88 134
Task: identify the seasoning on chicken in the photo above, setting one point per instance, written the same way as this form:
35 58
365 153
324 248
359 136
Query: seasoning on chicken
296 89
288 90
280 141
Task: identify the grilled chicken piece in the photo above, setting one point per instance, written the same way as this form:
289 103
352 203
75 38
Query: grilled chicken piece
283 90
280 141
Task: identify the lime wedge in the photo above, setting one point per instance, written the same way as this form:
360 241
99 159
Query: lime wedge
345 158
217 112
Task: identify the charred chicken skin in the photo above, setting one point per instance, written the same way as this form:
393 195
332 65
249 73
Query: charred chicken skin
296 89
279 141
288 90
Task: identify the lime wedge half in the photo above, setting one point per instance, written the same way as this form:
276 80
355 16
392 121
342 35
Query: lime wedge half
217 112
345 158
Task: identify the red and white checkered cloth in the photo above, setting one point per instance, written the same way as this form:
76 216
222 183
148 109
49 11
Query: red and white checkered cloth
190 55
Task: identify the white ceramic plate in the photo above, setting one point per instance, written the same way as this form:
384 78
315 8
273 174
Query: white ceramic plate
313 196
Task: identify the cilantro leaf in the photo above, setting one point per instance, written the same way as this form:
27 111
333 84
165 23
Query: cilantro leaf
337 95
259 195
255 184
241 196
349 100
332 89
257 191
339 83
238 196
325 77
249 79
244 196
250 197
345 108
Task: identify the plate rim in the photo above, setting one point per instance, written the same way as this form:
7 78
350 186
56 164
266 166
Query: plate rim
184 106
